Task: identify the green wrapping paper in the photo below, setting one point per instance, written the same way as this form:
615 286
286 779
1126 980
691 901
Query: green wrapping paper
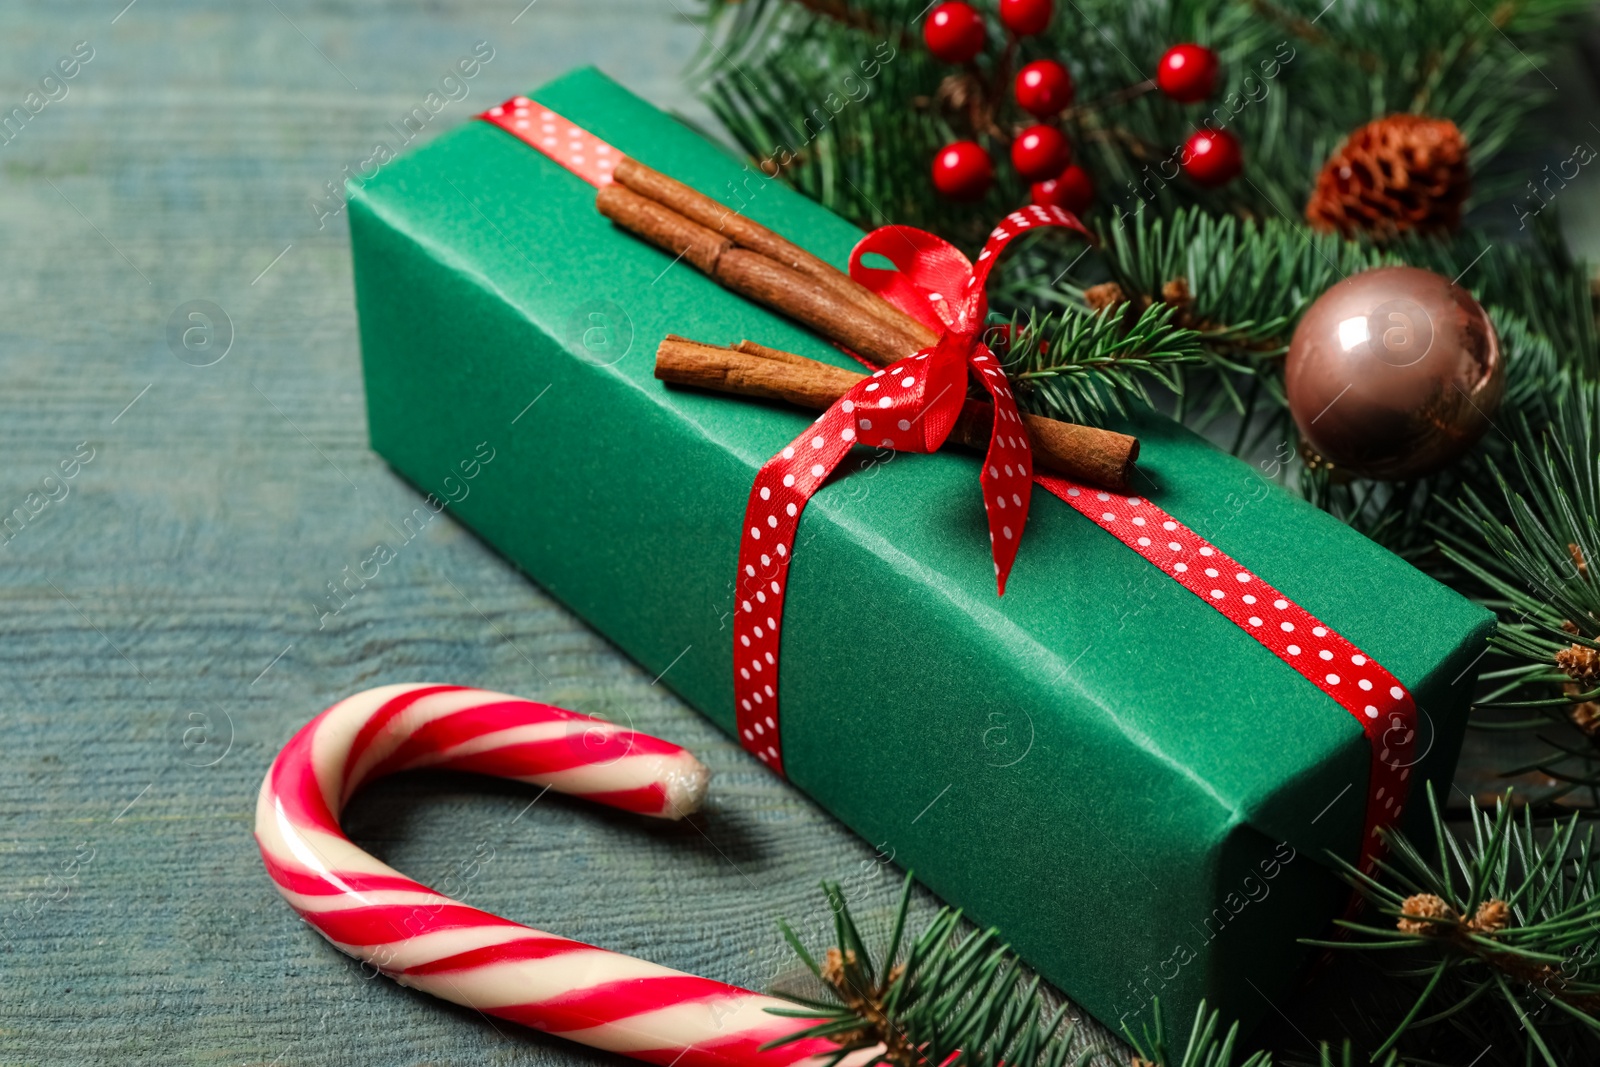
1138 794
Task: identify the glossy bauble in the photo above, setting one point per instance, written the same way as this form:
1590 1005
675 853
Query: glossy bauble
1072 190
962 170
1212 158
1044 88
1188 73
1040 152
1393 373
954 32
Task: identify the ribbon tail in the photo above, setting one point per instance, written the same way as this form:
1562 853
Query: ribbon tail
1007 475
783 487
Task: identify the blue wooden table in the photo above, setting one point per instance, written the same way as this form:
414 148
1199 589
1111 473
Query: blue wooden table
162 604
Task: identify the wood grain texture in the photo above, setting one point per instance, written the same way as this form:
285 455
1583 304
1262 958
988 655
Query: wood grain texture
163 629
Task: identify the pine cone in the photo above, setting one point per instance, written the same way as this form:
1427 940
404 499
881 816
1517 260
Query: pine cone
1427 915
1400 174
1582 665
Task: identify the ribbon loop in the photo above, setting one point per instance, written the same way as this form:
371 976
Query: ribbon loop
935 284
909 406
930 275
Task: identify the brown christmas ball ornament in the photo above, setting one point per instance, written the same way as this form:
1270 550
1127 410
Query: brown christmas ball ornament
1393 373
1395 175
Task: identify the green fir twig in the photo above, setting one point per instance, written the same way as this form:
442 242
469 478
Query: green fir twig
1491 937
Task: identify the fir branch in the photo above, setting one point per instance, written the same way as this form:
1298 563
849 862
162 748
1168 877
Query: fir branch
1208 1044
1529 547
1079 366
952 999
1211 1046
1506 923
1247 283
1393 514
1537 540
959 998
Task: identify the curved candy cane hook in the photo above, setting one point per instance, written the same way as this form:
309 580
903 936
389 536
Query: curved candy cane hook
427 941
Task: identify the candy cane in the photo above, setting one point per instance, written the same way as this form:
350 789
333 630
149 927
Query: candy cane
427 941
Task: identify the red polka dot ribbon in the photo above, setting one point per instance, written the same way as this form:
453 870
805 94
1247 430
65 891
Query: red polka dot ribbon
1359 684
567 143
911 406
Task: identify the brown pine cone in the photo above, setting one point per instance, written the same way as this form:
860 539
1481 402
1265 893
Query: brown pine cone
1400 174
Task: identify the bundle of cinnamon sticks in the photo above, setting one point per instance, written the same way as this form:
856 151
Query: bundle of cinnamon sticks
750 369
753 261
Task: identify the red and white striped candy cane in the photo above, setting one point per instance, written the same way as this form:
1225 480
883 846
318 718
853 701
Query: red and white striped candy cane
427 941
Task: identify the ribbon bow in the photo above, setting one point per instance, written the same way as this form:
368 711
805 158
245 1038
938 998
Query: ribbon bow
909 406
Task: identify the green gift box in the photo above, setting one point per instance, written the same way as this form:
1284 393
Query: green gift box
1138 794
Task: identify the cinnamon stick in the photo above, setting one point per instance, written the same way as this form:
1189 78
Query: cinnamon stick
766 281
663 227
760 278
1100 457
747 233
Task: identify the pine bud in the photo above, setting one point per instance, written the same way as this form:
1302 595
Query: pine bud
1099 297
1491 917
1422 914
1586 717
1581 663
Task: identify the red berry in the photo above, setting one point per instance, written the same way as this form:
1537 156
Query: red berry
1187 73
1026 17
1212 157
954 32
1040 152
1072 190
1044 88
962 170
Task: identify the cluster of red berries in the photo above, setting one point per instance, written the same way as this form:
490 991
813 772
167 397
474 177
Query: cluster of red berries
962 170
1188 74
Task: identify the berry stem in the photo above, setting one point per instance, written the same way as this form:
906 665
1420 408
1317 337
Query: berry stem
1110 100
